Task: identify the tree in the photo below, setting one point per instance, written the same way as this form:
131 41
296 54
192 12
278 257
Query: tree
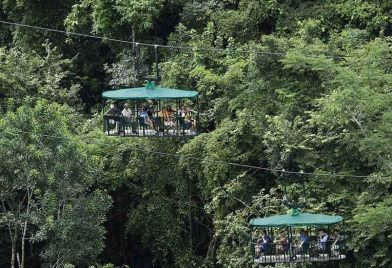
105 16
28 74
46 194
47 13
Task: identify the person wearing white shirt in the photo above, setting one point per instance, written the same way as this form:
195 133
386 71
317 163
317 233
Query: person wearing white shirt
127 114
322 240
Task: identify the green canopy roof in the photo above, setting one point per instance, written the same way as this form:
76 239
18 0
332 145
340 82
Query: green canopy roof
304 219
148 92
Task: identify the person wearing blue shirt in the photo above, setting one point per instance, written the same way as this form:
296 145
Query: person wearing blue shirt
303 241
264 242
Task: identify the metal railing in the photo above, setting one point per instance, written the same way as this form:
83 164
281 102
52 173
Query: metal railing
149 126
312 251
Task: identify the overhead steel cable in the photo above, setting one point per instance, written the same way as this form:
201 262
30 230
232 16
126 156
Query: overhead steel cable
203 49
65 32
282 171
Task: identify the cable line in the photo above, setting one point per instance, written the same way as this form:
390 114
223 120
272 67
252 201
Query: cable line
66 32
282 171
205 49
155 46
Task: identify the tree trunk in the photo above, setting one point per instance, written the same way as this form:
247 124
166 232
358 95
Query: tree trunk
12 238
13 245
18 259
13 254
211 249
21 265
24 233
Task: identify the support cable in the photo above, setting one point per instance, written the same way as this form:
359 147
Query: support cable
273 170
205 49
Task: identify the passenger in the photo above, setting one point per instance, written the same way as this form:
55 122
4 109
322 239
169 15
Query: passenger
281 243
304 239
150 112
186 119
335 247
145 116
143 112
112 110
322 241
169 115
152 122
189 119
127 114
113 113
166 114
182 111
183 118
264 243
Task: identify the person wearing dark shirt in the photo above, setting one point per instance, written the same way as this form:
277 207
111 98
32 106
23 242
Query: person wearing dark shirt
264 242
112 110
112 113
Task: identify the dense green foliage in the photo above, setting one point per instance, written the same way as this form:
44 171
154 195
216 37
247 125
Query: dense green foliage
296 85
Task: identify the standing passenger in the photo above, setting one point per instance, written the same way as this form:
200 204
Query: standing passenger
264 242
112 114
281 243
127 114
322 241
303 241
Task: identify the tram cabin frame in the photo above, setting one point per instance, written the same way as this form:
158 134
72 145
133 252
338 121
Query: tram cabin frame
150 112
297 238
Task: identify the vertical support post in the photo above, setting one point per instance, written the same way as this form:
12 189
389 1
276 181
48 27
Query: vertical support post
304 192
144 120
156 61
273 246
252 245
285 185
328 244
310 248
137 61
159 119
177 118
289 249
104 118
163 119
198 117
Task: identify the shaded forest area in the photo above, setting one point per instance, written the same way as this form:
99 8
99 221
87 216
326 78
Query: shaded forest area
294 85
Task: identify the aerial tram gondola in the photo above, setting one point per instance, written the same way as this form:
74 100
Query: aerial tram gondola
147 112
297 236
300 237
